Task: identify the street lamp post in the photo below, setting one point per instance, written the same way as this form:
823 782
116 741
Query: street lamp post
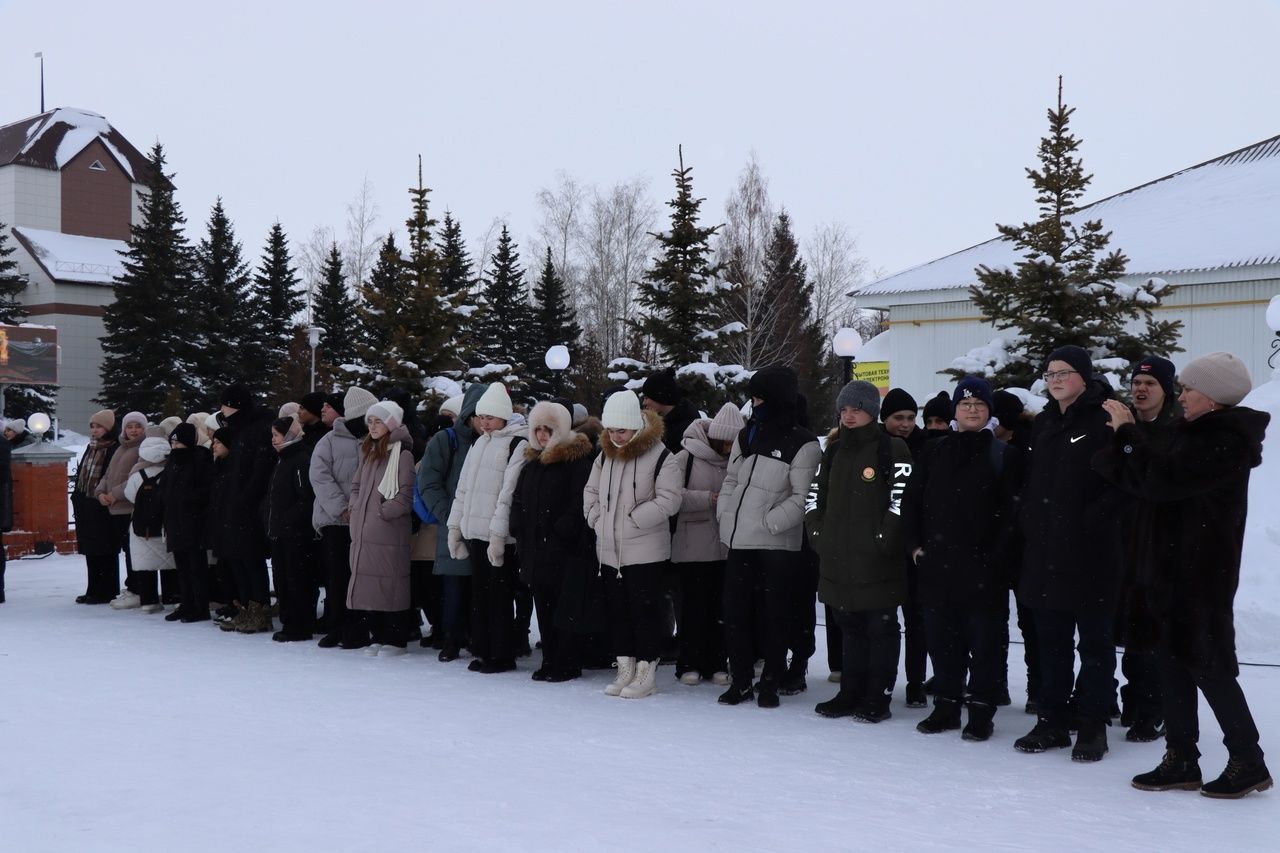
846 344
38 423
314 333
557 359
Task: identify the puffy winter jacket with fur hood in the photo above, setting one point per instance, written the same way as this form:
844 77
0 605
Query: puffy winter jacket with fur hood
697 536
629 498
490 471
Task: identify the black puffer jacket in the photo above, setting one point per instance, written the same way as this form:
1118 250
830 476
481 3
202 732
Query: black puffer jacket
547 520
188 483
676 421
244 485
291 499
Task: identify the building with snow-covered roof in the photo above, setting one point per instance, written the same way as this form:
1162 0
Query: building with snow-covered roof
69 192
1209 230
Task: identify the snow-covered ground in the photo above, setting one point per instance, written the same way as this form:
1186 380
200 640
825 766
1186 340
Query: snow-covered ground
123 732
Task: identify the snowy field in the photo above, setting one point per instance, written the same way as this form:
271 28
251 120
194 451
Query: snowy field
122 732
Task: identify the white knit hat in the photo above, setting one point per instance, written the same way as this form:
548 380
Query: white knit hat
388 412
288 410
135 418
495 402
153 450
18 425
622 411
453 405
1220 376
356 402
167 425
727 424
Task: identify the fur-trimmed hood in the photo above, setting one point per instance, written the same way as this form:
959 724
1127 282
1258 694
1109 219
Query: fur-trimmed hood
576 447
639 444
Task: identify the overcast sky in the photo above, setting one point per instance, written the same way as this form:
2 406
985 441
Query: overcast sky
909 122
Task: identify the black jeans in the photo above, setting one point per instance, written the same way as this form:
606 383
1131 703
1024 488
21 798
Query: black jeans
147 587
426 591
1095 686
634 602
383 627
701 620
455 609
916 651
804 620
1140 694
295 589
335 553
251 580
759 606
835 639
872 643
1182 726
193 580
1030 650
104 576
492 601
557 644
965 639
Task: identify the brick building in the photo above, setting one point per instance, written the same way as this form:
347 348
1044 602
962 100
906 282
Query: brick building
69 191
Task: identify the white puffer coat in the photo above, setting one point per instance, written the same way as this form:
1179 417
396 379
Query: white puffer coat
697 536
490 471
150 554
629 499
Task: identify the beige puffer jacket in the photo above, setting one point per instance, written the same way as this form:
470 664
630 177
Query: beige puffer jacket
629 499
697 536
482 481
762 503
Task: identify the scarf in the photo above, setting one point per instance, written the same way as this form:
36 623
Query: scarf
92 467
389 485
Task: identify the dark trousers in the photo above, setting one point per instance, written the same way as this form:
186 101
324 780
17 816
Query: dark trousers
872 643
250 575
193 581
2 567
523 596
222 583
1095 686
672 600
701 620
965 639
835 639
384 627
426 591
455 609
804 620
1140 694
759 608
916 647
1030 650
104 576
1182 727
147 587
492 598
557 644
120 526
633 602
295 589
335 553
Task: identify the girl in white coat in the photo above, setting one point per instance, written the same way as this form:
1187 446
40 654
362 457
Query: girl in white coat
146 528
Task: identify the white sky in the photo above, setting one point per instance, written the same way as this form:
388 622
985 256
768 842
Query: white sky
909 122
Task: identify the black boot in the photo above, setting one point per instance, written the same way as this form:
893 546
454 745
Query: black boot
1178 771
1091 740
873 710
1144 729
1240 778
945 718
736 695
980 726
1049 733
916 696
767 694
839 705
793 682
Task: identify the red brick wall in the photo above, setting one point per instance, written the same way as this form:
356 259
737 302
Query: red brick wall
94 203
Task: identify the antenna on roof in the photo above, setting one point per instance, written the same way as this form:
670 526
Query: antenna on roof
40 56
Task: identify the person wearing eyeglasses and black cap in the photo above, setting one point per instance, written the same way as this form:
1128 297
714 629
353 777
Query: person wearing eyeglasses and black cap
1070 521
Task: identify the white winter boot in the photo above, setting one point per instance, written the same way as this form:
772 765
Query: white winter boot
126 600
644 683
626 673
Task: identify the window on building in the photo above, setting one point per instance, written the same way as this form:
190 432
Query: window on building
97 166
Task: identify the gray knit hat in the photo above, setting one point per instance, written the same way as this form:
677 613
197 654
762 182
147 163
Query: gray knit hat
860 395
727 423
1220 376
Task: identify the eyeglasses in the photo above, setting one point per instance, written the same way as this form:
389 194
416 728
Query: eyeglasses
1058 374
971 405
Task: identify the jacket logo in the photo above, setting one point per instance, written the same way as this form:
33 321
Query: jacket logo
777 454
868 474
1077 438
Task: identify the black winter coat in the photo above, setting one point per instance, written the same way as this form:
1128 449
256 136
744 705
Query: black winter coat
291 498
312 433
958 507
187 483
1070 517
675 422
547 519
247 478
96 536
1195 483
6 486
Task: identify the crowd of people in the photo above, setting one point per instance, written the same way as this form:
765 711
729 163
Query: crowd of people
657 534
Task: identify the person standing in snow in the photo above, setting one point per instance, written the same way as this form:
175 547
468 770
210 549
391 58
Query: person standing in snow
1194 485
311 418
15 431
697 554
290 502
761 513
110 494
188 480
856 528
958 509
937 415
96 536
6 503
144 492
381 503
633 491
1070 521
478 522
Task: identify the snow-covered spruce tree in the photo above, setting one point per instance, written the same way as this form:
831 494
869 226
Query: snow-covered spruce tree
222 292
457 281
555 321
385 288
148 347
334 310
1067 288
19 400
677 292
276 302
504 325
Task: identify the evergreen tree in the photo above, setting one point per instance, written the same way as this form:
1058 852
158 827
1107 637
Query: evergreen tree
19 400
276 302
385 288
677 292
1067 288
456 274
504 328
223 293
147 348
335 311
555 321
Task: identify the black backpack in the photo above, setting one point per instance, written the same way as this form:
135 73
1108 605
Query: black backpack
148 507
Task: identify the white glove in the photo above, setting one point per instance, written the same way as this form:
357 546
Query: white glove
457 546
497 548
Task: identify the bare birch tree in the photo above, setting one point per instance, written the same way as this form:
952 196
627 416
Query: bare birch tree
560 228
614 248
835 268
749 220
360 249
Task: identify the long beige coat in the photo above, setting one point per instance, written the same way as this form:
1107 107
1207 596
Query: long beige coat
380 531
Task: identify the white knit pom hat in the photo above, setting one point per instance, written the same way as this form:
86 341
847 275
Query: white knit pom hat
622 411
